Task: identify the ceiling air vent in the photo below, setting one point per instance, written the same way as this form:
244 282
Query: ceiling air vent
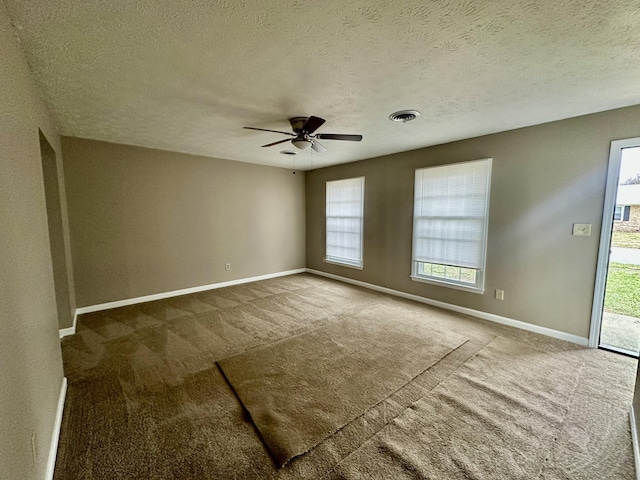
404 116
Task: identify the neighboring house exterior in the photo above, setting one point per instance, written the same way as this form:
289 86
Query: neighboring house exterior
626 216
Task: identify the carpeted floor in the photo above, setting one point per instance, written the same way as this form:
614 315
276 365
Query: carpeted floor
147 398
358 359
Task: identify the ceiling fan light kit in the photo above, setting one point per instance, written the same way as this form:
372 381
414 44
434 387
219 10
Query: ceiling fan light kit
303 133
301 143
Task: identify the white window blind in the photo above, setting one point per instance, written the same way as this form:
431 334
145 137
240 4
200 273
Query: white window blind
345 204
450 214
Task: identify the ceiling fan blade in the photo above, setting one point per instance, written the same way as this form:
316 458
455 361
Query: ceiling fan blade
318 147
276 143
312 124
265 130
339 136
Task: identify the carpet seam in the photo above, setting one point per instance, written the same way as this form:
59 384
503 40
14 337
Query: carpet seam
542 469
413 403
334 318
404 409
564 418
255 426
373 406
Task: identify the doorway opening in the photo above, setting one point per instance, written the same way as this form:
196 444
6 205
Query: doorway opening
616 311
56 235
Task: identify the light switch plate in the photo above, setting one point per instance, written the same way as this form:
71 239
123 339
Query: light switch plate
582 229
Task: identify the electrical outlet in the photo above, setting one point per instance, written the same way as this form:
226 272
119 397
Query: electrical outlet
227 266
499 294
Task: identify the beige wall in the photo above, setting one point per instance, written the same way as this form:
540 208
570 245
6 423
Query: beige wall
544 179
30 360
147 221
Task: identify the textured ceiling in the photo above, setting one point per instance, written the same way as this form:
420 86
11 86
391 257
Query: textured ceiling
188 75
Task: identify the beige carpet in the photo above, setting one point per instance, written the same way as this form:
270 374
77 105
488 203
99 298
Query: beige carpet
496 417
301 390
147 400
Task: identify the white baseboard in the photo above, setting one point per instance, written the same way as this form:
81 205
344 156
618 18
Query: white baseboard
72 329
464 310
63 332
635 439
55 436
456 308
175 293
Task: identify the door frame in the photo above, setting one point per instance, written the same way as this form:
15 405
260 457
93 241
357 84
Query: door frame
611 191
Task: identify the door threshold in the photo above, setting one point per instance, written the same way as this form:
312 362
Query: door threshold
621 351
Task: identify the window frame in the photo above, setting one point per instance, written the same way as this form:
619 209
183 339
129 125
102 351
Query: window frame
623 209
358 265
615 208
479 285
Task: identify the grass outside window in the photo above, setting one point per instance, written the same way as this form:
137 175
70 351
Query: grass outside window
458 274
622 295
626 240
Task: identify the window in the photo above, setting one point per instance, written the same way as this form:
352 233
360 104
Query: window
621 213
450 219
617 212
345 205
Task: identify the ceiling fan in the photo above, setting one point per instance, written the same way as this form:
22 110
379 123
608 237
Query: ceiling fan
303 128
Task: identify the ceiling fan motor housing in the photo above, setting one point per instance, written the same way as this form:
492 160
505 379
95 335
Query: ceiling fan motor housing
297 123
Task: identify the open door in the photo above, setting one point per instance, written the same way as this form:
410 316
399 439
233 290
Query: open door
615 322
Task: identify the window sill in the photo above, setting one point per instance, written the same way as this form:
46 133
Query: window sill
456 286
343 264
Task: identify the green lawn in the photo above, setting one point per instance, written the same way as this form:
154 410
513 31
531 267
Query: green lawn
625 239
622 295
